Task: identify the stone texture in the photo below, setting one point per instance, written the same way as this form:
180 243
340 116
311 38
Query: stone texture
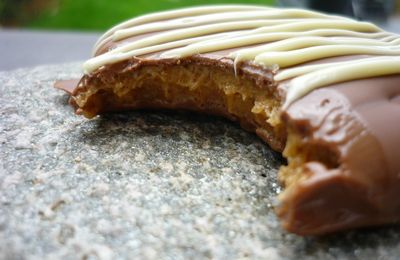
143 185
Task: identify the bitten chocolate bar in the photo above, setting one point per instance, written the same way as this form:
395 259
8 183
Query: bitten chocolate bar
324 90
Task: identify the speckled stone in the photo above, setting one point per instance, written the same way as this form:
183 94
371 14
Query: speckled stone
143 185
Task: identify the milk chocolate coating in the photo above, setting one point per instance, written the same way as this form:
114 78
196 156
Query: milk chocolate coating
358 120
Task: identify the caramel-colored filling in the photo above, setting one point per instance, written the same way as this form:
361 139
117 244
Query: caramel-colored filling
299 151
190 87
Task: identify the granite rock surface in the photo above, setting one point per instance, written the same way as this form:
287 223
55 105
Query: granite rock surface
143 184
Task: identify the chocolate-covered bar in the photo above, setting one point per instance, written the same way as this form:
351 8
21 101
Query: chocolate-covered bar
322 89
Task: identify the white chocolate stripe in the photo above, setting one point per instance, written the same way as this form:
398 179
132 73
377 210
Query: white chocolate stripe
291 58
327 76
159 16
298 71
390 38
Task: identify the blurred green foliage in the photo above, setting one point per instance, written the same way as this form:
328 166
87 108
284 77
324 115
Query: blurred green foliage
101 14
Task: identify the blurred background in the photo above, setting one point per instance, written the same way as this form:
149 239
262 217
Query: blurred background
101 14
88 14
64 30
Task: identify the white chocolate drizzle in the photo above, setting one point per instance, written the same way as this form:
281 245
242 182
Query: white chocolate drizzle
268 37
187 12
212 19
345 72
